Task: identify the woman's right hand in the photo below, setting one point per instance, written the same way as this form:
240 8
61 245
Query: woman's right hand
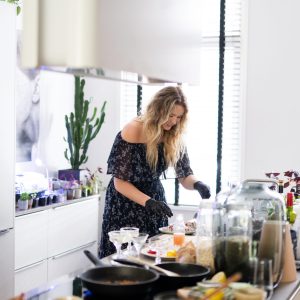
158 207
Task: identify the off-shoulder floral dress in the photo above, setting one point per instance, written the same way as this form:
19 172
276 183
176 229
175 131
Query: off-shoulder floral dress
127 161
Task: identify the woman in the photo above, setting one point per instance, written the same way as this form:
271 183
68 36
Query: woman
141 153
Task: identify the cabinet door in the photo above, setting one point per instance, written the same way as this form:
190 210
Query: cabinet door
72 226
30 239
30 277
70 261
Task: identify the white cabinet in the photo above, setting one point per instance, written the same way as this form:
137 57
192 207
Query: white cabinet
72 226
30 277
71 260
31 239
50 243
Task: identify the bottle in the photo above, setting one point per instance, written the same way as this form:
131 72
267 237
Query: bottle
290 214
280 187
179 231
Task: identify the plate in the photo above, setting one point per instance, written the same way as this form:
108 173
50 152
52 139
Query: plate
163 255
169 230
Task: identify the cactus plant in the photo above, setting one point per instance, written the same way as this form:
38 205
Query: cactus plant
81 129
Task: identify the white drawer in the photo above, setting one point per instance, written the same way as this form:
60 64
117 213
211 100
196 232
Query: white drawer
30 238
72 226
30 277
70 261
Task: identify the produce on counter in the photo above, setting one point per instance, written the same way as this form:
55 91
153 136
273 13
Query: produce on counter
187 253
234 291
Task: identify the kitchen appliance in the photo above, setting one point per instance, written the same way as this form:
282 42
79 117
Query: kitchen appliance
7 157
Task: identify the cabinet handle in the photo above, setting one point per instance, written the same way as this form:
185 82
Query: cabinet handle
29 266
73 250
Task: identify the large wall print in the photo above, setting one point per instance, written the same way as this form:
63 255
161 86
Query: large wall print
27 110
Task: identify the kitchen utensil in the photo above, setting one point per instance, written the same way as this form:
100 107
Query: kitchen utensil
113 281
235 277
152 266
189 274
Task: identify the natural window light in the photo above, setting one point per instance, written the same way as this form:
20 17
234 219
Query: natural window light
202 132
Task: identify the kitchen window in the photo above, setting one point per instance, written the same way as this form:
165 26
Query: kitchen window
202 138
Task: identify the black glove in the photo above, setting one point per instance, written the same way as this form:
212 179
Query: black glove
158 207
203 189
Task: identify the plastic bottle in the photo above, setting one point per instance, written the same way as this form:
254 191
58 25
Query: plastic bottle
179 231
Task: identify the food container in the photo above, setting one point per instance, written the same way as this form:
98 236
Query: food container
266 209
209 233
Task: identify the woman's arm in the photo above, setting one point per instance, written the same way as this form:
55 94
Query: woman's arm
128 190
191 183
188 182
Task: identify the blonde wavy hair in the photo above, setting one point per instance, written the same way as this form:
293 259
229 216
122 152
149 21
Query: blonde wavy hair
157 113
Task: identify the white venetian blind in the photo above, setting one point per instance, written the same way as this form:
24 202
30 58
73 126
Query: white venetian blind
231 148
202 132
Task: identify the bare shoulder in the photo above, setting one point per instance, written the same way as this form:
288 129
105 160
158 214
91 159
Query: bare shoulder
133 132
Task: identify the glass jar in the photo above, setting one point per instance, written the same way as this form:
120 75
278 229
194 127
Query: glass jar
237 238
268 218
209 232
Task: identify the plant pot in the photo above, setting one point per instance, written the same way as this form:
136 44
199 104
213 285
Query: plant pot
42 201
30 202
22 204
78 193
70 194
71 174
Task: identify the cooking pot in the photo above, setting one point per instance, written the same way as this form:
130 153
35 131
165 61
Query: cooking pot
114 281
189 274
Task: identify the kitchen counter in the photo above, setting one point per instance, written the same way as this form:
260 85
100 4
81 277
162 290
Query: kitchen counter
54 205
66 285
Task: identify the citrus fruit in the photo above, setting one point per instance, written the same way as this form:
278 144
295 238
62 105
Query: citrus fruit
219 277
217 296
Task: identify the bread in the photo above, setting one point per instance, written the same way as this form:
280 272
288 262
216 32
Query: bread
186 254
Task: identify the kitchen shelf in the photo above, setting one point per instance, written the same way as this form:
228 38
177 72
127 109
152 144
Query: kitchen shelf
54 205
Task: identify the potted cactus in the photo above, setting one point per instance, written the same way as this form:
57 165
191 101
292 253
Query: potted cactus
81 130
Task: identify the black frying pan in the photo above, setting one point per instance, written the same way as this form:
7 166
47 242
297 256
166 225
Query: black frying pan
118 281
190 274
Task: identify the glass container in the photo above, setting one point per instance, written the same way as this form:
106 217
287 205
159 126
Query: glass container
267 214
209 234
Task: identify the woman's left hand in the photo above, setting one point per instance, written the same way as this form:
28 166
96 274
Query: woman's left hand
203 189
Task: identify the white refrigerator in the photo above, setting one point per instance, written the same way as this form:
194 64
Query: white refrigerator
7 153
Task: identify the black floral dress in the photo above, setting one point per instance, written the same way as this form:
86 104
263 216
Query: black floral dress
127 161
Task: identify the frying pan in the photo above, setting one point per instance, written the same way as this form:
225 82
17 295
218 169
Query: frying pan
109 281
190 274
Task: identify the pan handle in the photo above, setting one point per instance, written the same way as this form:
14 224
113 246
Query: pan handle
95 260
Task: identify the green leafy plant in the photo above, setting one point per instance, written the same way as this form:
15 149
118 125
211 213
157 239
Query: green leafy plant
16 2
24 196
81 129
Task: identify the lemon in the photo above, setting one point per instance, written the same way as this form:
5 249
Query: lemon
217 296
171 253
219 277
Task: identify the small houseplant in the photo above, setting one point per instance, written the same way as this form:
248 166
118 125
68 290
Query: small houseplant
94 181
81 130
23 201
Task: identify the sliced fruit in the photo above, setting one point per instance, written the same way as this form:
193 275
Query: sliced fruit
217 296
219 277
171 253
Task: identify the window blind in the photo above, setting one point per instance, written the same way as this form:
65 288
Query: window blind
201 136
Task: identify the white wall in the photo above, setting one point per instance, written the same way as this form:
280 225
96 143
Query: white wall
57 99
272 99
